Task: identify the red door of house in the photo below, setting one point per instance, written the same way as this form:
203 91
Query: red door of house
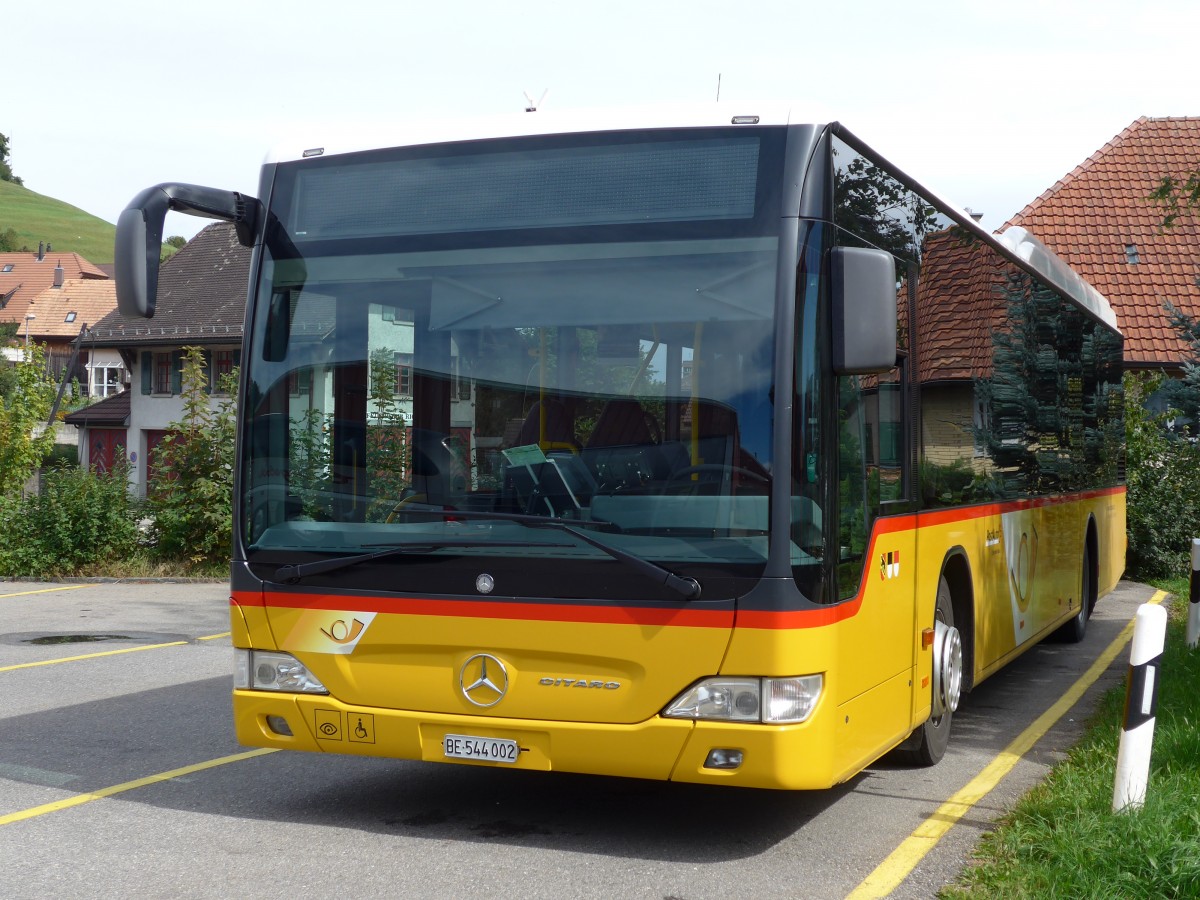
102 447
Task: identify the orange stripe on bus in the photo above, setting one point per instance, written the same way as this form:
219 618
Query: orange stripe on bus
642 615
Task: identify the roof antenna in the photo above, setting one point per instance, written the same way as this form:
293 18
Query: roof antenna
718 87
530 106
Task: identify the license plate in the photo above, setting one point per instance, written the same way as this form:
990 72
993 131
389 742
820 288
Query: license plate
482 749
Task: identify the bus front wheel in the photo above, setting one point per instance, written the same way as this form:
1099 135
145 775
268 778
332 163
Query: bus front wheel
927 744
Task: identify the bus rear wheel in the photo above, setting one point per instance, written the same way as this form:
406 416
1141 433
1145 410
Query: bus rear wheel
1073 632
927 744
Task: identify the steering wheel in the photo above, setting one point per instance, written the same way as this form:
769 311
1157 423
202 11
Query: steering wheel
718 470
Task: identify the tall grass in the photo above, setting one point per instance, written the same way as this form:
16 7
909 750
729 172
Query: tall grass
37 218
1062 840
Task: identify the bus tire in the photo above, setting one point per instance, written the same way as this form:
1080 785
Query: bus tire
927 744
1074 630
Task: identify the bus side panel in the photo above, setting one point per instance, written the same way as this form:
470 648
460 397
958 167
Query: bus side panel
1026 563
1111 536
864 648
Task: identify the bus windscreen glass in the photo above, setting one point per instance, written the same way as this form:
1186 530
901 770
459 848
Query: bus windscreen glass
592 347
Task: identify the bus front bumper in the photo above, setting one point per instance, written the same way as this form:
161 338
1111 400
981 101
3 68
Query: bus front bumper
787 757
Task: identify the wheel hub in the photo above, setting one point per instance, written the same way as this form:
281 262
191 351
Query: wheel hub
947 668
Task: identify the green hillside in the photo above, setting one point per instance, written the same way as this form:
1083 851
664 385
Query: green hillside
36 218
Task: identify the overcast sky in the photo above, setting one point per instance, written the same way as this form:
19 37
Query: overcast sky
988 103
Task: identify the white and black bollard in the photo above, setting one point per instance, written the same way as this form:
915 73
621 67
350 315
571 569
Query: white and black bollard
1193 625
1141 705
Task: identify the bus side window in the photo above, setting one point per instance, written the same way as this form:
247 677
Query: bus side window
853 522
871 463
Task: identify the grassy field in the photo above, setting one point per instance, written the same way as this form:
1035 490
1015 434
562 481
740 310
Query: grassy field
1063 841
36 218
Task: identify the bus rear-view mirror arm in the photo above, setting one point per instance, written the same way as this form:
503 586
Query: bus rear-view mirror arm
140 233
863 283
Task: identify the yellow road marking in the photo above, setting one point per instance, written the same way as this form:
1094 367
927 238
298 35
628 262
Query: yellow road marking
70 587
80 799
51 662
214 637
891 873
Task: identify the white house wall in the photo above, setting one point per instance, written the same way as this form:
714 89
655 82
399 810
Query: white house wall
147 413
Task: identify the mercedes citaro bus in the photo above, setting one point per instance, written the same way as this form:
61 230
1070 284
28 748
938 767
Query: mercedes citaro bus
698 446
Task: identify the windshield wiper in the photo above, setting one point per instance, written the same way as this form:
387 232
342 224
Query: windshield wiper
684 585
292 574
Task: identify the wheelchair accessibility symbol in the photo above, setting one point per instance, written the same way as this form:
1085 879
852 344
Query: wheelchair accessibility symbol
361 728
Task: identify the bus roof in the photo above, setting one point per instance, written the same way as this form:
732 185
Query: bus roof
1017 241
436 131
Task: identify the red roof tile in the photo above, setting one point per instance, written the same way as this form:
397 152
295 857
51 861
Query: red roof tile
62 311
1100 213
23 276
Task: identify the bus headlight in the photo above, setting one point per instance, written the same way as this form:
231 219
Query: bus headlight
263 670
773 701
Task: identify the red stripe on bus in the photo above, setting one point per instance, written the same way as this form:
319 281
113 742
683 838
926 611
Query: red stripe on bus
487 609
641 615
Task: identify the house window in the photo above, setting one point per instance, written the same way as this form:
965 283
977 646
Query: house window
7 267
404 374
70 317
222 365
162 373
1131 254
300 382
106 381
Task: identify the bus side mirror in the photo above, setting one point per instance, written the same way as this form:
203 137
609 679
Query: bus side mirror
140 228
863 288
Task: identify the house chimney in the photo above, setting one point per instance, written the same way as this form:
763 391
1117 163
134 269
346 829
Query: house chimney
58 275
41 251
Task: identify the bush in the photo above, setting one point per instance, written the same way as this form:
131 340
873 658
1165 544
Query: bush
191 501
1163 482
78 519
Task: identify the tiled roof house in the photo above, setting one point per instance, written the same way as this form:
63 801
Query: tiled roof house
1099 218
62 311
201 302
23 276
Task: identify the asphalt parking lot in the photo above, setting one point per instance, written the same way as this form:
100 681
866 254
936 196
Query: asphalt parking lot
119 774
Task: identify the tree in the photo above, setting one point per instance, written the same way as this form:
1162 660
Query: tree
1177 196
389 458
6 172
24 407
1162 482
170 247
191 501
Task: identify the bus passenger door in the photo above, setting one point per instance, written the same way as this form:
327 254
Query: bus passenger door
875 545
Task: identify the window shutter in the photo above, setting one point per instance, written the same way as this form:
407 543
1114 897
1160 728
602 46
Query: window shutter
147 371
210 376
176 371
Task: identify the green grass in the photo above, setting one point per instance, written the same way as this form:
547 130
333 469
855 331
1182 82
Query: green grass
1062 840
69 229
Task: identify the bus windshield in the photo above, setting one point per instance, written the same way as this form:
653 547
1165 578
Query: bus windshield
451 343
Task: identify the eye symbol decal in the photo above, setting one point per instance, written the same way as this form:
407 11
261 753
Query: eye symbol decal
341 633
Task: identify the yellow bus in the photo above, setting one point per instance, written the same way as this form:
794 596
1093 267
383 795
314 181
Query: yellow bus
699 446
